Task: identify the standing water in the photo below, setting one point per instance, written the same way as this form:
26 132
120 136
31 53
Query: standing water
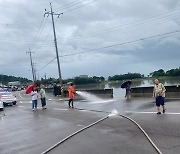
113 113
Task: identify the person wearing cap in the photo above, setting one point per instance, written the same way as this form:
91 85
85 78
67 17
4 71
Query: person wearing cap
159 94
71 92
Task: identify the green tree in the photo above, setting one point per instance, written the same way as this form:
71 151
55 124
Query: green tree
158 73
125 76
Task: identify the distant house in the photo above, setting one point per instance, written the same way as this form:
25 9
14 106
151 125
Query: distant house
15 83
83 76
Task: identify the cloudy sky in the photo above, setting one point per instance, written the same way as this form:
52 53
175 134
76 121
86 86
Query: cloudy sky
95 37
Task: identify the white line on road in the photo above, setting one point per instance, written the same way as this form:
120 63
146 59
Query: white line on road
20 106
60 109
20 96
169 113
23 102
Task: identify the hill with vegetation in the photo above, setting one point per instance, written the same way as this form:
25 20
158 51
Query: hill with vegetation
4 79
129 76
170 73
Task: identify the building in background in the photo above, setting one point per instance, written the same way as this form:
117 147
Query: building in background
15 83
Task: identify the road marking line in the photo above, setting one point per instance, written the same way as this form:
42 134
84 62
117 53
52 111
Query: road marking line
60 109
20 96
22 102
169 113
20 106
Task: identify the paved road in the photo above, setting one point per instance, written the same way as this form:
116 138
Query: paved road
24 131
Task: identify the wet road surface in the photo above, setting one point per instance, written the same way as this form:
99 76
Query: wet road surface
23 131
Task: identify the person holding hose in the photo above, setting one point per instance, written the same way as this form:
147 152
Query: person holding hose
71 92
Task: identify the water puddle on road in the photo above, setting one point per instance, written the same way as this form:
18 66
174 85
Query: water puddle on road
113 113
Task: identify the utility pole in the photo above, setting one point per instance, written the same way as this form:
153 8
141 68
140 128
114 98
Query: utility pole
32 66
45 76
55 40
34 69
45 79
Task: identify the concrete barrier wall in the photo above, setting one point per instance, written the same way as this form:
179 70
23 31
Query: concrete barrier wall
102 93
171 91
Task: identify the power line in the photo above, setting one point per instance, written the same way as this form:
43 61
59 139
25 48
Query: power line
39 33
112 34
45 40
80 6
110 46
47 64
69 5
120 44
18 24
104 34
134 25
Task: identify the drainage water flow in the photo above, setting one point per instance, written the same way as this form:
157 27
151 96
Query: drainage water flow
96 100
88 96
92 98
113 113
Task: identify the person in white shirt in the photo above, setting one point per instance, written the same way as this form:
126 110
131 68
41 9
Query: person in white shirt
34 95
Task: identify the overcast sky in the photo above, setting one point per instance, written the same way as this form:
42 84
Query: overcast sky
120 30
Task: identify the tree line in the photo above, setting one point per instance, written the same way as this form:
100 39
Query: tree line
129 76
76 80
4 79
161 72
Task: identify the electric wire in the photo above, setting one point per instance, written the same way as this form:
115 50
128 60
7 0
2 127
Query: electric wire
110 46
124 43
46 37
68 5
79 7
38 34
132 26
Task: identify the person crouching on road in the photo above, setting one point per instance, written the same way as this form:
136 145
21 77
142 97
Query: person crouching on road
71 91
159 94
34 95
43 96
